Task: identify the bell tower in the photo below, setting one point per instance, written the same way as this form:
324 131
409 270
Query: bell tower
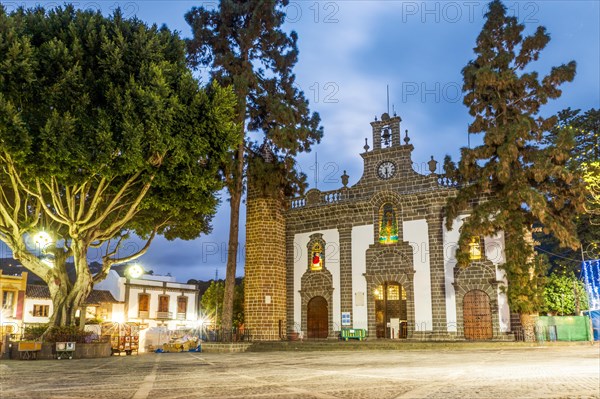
265 269
386 132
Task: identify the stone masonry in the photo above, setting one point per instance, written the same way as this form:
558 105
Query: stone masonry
413 196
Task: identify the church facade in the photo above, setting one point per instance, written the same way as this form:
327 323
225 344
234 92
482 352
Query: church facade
375 256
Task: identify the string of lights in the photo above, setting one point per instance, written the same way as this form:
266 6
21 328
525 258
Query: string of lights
590 272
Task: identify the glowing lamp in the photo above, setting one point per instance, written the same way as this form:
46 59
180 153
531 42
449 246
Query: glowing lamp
135 271
42 239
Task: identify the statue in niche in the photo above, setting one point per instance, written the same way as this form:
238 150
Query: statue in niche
388 228
316 262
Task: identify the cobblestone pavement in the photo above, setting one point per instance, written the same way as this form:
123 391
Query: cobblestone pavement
540 372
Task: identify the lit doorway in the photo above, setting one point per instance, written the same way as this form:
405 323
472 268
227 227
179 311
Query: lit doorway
390 311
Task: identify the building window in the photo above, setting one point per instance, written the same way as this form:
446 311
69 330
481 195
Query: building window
393 293
144 302
388 226
8 303
316 252
378 293
475 248
41 310
91 312
182 302
163 303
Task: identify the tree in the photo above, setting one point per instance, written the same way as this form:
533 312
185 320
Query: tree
511 181
564 294
212 301
585 127
244 46
104 132
592 179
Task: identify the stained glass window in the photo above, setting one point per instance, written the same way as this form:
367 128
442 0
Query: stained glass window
388 226
475 252
316 255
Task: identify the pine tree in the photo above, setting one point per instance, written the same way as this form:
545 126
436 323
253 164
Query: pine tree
511 181
585 127
244 46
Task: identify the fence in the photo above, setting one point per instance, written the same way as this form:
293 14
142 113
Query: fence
222 335
559 328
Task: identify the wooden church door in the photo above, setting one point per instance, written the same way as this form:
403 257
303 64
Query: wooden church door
477 315
317 318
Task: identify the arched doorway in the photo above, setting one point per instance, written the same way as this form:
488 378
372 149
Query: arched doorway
477 315
317 318
390 310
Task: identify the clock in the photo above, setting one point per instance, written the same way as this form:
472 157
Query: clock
386 169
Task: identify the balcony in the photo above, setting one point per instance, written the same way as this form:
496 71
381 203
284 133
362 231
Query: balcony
181 316
164 315
143 314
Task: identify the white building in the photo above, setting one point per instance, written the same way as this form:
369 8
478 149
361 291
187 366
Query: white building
38 308
153 301
375 256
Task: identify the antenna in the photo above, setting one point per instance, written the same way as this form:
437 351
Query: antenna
316 171
468 137
216 274
388 98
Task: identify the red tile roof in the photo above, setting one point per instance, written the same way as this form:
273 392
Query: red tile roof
96 297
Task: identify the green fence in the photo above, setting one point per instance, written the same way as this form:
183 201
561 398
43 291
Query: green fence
563 328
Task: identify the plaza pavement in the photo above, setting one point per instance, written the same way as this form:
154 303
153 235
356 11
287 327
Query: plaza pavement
519 372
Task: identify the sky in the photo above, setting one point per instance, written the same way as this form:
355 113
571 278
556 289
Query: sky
349 52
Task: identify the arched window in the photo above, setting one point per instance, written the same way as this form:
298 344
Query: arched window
388 225
316 257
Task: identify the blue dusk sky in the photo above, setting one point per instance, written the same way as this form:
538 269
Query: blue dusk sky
349 52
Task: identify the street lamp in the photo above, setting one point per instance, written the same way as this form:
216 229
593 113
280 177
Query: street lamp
42 241
135 271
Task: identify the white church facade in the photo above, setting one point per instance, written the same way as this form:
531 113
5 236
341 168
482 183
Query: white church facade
375 256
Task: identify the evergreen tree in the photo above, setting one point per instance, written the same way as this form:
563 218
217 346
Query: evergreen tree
510 181
104 132
244 46
585 127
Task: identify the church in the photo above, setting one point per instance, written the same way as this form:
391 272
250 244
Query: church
374 257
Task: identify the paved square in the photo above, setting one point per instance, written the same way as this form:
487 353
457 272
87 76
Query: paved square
538 372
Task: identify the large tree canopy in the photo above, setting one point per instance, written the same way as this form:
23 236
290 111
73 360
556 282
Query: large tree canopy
524 181
584 157
243 44
103 132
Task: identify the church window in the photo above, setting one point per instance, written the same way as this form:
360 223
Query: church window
378 293
475 248
393 293
388 227
316 257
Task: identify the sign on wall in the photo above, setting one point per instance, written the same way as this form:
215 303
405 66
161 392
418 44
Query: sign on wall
346 319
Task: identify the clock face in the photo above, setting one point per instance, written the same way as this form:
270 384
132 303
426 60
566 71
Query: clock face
386 169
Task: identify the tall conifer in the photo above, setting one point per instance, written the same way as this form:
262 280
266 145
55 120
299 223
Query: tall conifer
243 45
511 180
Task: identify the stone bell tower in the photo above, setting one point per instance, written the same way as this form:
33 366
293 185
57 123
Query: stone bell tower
265 269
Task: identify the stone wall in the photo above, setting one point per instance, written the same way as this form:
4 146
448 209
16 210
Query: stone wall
265 270
481 276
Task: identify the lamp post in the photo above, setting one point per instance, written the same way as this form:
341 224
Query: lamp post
132 271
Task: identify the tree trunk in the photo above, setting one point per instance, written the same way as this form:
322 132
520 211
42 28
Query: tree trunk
528 322
232 247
